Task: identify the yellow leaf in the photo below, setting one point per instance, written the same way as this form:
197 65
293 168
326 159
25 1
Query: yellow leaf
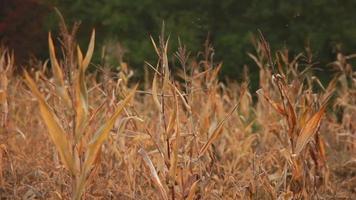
81 106
55 130
95 144
57 73
81 90
90 51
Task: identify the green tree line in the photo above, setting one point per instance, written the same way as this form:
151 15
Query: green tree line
327 27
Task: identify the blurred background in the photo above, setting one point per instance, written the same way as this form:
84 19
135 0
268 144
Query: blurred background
326 27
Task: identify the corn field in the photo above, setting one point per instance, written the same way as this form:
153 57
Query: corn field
72 133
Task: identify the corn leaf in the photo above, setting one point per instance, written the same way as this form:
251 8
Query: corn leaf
90 51
193 190
81 106
279 108
81 89
56 132
310 128
185 103
217 131
154 174
57 73
174 121
154 93
103 133
290 111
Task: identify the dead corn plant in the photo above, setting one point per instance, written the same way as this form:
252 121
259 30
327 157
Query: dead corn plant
302 111
76 142
6 69
190 119
344 82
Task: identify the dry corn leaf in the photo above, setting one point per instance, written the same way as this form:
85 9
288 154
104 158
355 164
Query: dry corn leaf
81 90
57 73
55 130
296 170
185 103
154 45
217 131
256 60
192 190
309 130
154 93
275 105
176 143
80 186
174 158
173 118
79 56
267 186
165 64
291 114
321 146
95 144
103 133
154 174
304 116
90 51
81 106
2 96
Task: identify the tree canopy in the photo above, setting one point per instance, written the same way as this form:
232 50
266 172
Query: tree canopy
327 27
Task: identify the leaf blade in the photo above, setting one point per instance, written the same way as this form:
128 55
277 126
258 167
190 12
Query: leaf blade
57 73
56 132
103 133
308 131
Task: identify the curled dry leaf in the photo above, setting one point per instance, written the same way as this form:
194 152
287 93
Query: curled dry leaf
154 174
185 103
279 108
288 107
310 128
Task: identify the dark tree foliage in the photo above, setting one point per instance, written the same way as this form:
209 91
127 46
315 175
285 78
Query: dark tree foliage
327 27
21 28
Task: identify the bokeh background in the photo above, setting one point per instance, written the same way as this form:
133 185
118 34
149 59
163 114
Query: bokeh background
326 27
